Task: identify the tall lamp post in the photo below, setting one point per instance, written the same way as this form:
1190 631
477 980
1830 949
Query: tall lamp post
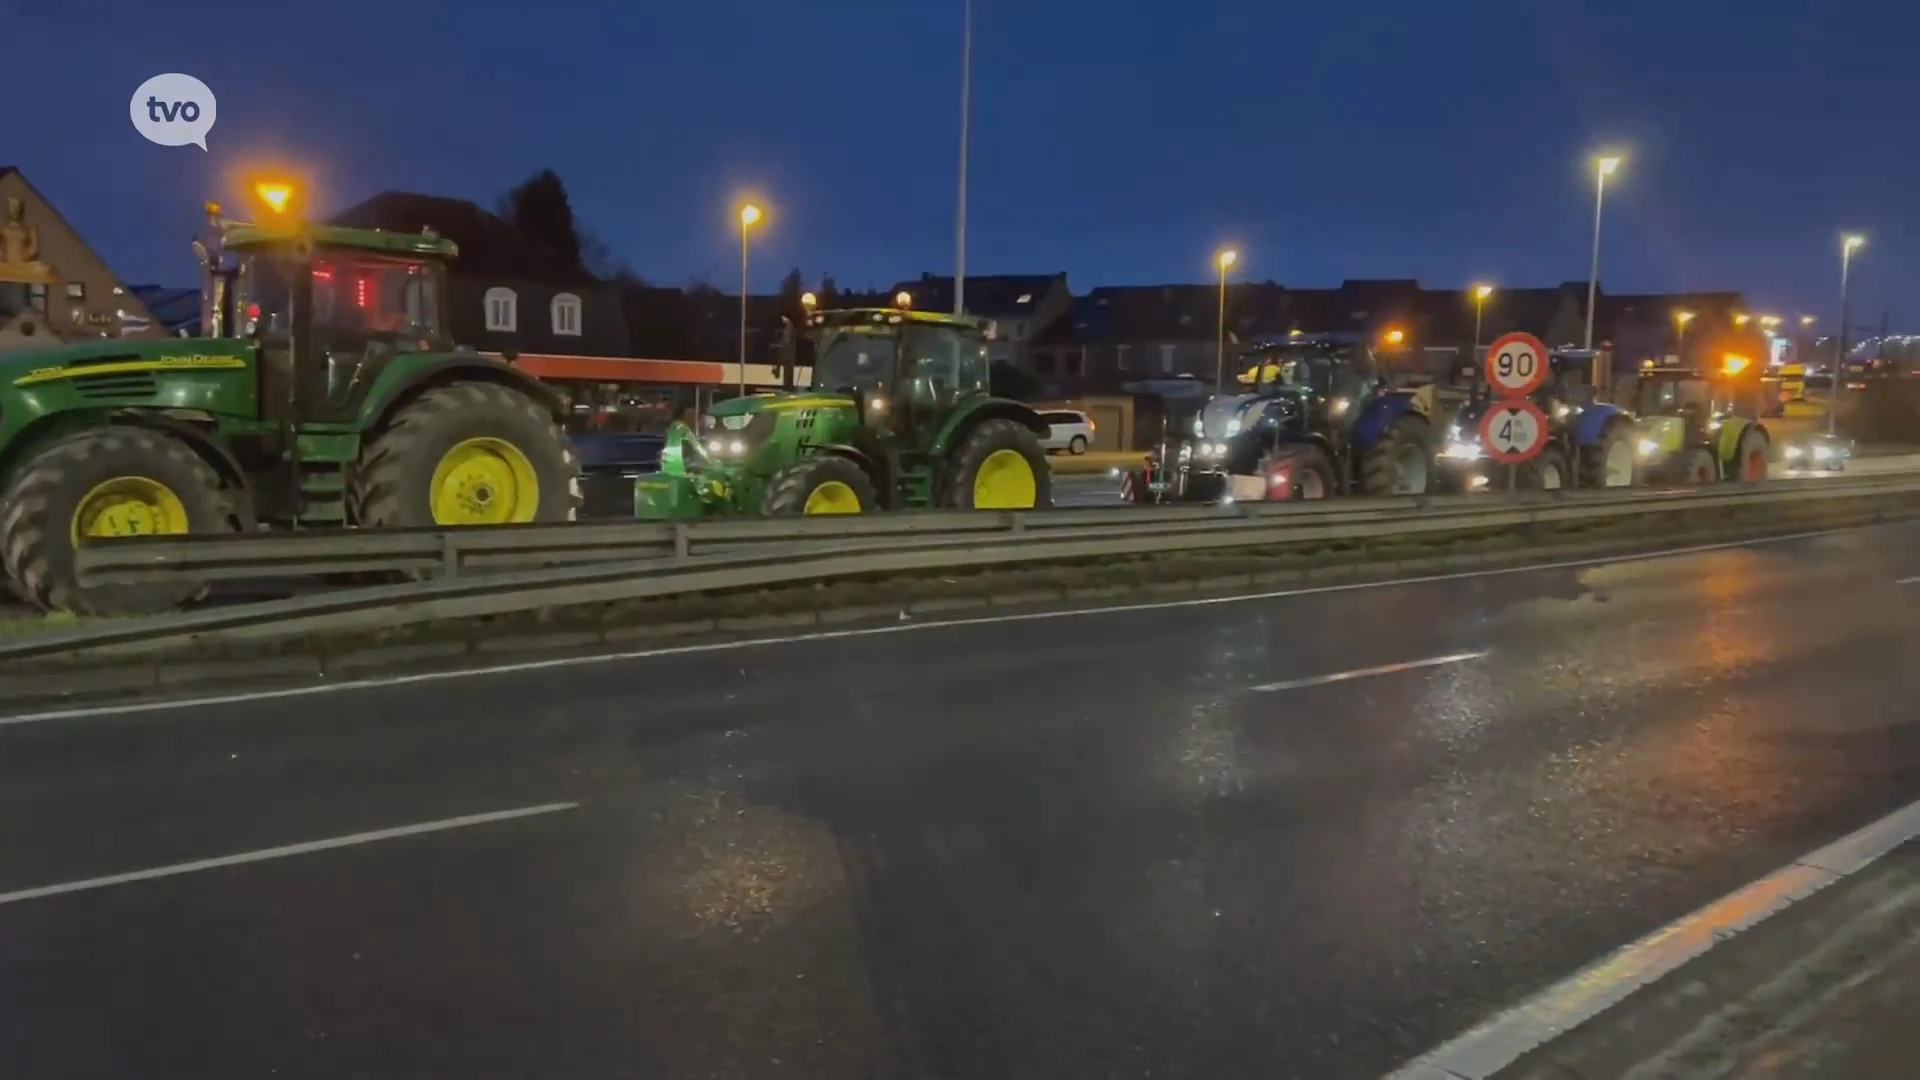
1225 259
966 109
1602 168
1480 294
749 217
1848 245
1680 321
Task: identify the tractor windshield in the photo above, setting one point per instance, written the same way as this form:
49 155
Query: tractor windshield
855 360
357 298
1658 396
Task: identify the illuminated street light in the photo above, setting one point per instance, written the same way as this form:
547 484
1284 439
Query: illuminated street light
1602 168
1226 258
1741 318
1807 320
1480 294
1680 321
749 217
1848 245
903 299
809 301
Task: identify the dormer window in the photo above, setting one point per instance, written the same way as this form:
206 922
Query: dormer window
1025 298
566 315
503 310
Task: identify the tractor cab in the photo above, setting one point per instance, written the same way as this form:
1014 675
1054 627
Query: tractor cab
1695 429
329 307
899 415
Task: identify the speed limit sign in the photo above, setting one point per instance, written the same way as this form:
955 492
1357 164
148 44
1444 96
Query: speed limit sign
1513 432
1516 365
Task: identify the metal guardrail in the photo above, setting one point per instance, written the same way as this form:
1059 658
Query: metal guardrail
454 552
889 544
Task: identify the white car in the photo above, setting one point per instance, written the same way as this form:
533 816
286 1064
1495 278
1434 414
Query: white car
1067 430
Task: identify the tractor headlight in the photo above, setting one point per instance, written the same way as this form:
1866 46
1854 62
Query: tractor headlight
1649 449
1823 453
1461 450
1794 453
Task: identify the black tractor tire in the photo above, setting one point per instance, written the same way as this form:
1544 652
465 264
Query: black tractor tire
1593 459
1547 472
1309 473
984 441
1134 488
1382 466
37 517
1749 464
1697 466
792 486
392 484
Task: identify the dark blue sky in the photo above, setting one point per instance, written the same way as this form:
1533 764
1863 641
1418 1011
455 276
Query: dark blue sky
1121 141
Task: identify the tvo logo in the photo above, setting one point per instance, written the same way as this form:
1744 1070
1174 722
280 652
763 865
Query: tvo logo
173 110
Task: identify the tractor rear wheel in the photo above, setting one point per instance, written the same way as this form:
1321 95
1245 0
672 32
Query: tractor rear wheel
822 484
466 454
113 481
1000 465
1609 462
1401 462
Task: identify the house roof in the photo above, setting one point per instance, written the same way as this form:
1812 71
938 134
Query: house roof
173 308
489 244
994 296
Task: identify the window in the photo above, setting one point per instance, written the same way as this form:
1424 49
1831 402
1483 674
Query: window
1120 360
1166 359
1025 298
1019 331
566 314
503 310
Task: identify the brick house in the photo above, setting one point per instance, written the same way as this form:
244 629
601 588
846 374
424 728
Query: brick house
1020 306
53 286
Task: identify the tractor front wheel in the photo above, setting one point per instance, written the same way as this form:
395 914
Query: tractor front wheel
999 466
824 484
466 454
1697 466
1547 472
1749 464
1609 462
108 482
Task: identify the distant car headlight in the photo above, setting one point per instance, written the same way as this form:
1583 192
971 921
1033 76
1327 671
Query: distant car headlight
1794 453
1461 450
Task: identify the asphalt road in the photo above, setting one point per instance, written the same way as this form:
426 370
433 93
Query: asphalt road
1203 840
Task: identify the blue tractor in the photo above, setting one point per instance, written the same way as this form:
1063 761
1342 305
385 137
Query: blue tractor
1590 442
1317 419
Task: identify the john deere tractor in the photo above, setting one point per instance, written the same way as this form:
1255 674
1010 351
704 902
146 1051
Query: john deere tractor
899 416
327 393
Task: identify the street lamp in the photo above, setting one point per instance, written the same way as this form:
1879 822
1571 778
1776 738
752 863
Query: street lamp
1480 294
1680 321
749 217
1602 168
809 301
1226 258
1741 318
1848 245
1806 321
966 109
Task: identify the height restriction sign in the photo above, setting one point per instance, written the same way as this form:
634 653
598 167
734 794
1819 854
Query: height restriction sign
1516 365
1513 432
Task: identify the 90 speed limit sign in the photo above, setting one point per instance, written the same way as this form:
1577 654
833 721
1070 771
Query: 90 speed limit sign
1516 365
1513 432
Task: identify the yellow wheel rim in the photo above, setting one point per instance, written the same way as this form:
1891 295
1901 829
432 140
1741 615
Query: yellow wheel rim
130 506
1005 482
832 497
485 482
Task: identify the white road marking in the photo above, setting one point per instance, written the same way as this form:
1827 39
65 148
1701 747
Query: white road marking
1907 580
1587 993
1368 673
281 852
128 708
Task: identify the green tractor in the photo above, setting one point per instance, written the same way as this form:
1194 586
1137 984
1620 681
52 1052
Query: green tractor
327 394
898 417
1693 429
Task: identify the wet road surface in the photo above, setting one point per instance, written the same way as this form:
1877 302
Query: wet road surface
1307 836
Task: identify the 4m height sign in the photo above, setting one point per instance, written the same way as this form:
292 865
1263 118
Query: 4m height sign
1516 366
1513 431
